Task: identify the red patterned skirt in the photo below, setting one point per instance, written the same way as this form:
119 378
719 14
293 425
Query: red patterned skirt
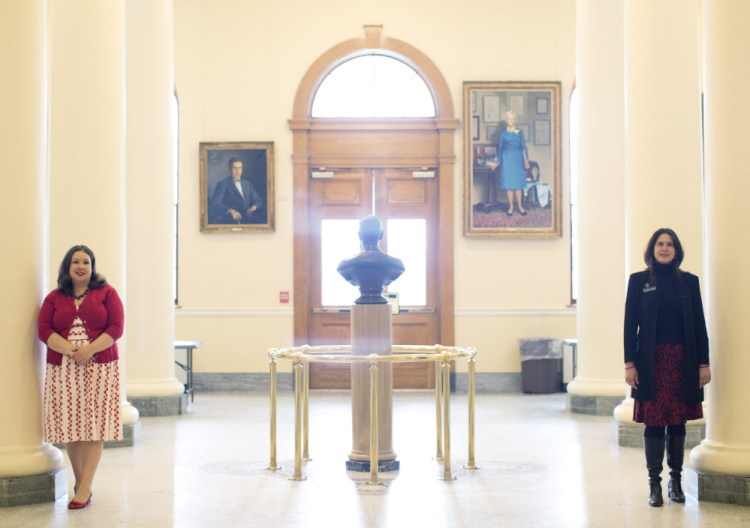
667 407
82 402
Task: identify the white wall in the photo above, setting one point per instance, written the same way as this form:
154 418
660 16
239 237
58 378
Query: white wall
238 65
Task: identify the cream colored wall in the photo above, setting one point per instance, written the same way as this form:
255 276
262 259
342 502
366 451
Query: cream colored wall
238 65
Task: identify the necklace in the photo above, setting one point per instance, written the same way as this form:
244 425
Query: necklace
79 297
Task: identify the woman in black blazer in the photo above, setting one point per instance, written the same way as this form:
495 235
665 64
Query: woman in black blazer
666 357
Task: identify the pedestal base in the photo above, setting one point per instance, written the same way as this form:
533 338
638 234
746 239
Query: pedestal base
717 488
631 434
364 466
129 432
597 405
159 406
48 487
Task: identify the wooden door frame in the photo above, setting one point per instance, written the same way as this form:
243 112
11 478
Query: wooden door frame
382 143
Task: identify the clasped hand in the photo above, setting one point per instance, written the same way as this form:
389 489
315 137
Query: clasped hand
81 355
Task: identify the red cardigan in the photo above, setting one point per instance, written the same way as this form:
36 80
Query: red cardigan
101 312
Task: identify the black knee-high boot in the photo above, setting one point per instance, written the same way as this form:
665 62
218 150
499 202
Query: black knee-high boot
675 456
654 448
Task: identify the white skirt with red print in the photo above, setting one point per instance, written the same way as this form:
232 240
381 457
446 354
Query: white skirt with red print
82 402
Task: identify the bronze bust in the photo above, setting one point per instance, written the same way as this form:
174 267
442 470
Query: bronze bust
371 269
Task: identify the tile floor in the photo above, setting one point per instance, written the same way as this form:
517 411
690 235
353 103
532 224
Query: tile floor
540 466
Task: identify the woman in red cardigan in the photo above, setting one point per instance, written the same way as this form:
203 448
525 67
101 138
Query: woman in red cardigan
80 322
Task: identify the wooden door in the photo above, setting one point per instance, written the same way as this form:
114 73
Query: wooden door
408 207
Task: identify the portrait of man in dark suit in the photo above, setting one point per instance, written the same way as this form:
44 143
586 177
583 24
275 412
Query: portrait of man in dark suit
236 186
234 199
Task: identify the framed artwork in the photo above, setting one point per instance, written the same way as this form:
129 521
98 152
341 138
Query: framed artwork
491 108
542 106
517 103
236 187
507 194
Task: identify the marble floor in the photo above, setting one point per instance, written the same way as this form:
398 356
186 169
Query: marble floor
539 466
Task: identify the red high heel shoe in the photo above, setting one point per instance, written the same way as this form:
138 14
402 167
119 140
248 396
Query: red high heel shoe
75 505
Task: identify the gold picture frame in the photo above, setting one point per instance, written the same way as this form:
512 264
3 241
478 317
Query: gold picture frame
487 210
243 202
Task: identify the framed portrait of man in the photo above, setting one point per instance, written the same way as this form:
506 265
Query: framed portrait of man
236 187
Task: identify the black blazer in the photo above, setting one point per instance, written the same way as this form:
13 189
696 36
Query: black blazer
641 314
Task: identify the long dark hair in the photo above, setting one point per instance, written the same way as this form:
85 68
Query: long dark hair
65 283
648 254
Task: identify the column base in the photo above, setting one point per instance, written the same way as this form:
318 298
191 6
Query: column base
129 432
713 487
362 466
597 405
33 489
631 434
159 405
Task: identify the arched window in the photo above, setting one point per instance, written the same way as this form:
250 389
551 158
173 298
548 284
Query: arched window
367 84
373 85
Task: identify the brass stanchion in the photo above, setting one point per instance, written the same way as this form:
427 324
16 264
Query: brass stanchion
298 373
370 448
447 421
306 415
373 419
470 464
438 411
273 465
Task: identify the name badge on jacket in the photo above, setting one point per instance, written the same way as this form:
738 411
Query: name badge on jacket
649 288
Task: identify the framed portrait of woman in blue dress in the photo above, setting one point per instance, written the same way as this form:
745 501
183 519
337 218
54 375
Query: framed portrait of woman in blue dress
512 162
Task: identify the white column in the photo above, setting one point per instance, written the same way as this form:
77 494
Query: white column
663 127
598 384
150 199
23 146
726 448
663 143
87 152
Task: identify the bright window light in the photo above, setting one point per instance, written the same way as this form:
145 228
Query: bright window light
407 240
339 240
373 86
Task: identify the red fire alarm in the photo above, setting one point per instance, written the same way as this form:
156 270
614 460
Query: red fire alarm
284 297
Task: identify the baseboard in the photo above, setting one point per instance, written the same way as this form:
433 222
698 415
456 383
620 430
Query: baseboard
484 382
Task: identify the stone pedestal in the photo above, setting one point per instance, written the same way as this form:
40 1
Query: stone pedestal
33 489
717 488
371 334
159 406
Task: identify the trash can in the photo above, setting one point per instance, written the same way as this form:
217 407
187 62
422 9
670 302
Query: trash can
540 361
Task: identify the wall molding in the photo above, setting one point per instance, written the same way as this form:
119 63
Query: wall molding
233 312
568 311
